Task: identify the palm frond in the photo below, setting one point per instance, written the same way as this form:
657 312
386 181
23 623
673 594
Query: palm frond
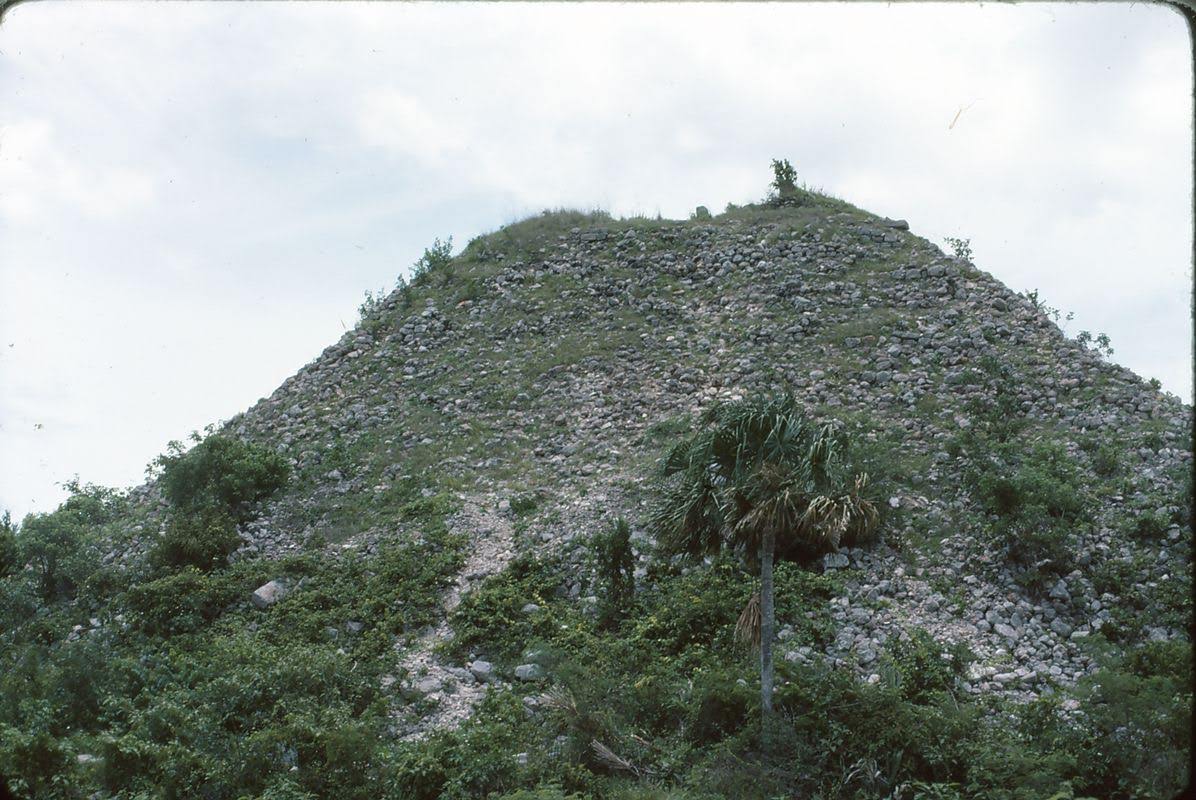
561 700
611 759
747 627
833 521
686 518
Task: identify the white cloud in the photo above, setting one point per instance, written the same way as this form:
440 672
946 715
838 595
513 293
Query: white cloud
389 119
39 178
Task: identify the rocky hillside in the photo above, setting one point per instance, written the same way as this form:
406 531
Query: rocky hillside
558 354
524 391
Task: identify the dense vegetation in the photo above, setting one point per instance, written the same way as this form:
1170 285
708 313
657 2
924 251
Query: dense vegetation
182 689
136 661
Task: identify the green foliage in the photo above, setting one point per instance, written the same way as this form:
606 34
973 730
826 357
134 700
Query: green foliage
1139 714
962 249
1038 544
692 612
371 305
697 611
393 592
1029 482
523 504
614 564
1042 307
61 545
10 560
757 466
1149 525
33 758
1036 493
184 601
202 539
1099 343
491 620
436 259
542 793
473 761
219 473
203 695
211 487
1106 460
721 704
219 719
924 666
784 178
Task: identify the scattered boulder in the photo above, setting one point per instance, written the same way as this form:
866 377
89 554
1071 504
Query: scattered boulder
835 561
529 672
483 671
269 593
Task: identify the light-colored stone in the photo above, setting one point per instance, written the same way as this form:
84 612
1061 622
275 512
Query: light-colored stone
835 561
1007 631
482 670
529 672
269 593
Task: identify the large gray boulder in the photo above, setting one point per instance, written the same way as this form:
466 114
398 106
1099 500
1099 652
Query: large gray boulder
269 593
482 670
529 672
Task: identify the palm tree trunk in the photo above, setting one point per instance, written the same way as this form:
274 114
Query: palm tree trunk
767 623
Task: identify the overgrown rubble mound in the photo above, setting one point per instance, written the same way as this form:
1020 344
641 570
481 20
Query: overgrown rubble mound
531 384
556 348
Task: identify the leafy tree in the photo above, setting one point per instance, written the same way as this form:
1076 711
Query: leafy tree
9 557
755 474
784 178
212 488
58 544
219 473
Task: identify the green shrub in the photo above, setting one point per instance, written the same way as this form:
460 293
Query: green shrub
181 602
1041 477
542 793
522 504
960 248
285 788
1099 343
491 619
437 258
397 590
693 612
202 539
1106 460
1139 723
476 760
614 564
212 488
61 545
219 473
697 612
924 666
1149 525
33 758
370 307
784 178
10 560
721 704
1036 493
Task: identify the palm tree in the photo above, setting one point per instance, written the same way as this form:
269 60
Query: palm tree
758 473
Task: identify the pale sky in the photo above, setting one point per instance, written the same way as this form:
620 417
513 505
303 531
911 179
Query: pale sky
194 197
